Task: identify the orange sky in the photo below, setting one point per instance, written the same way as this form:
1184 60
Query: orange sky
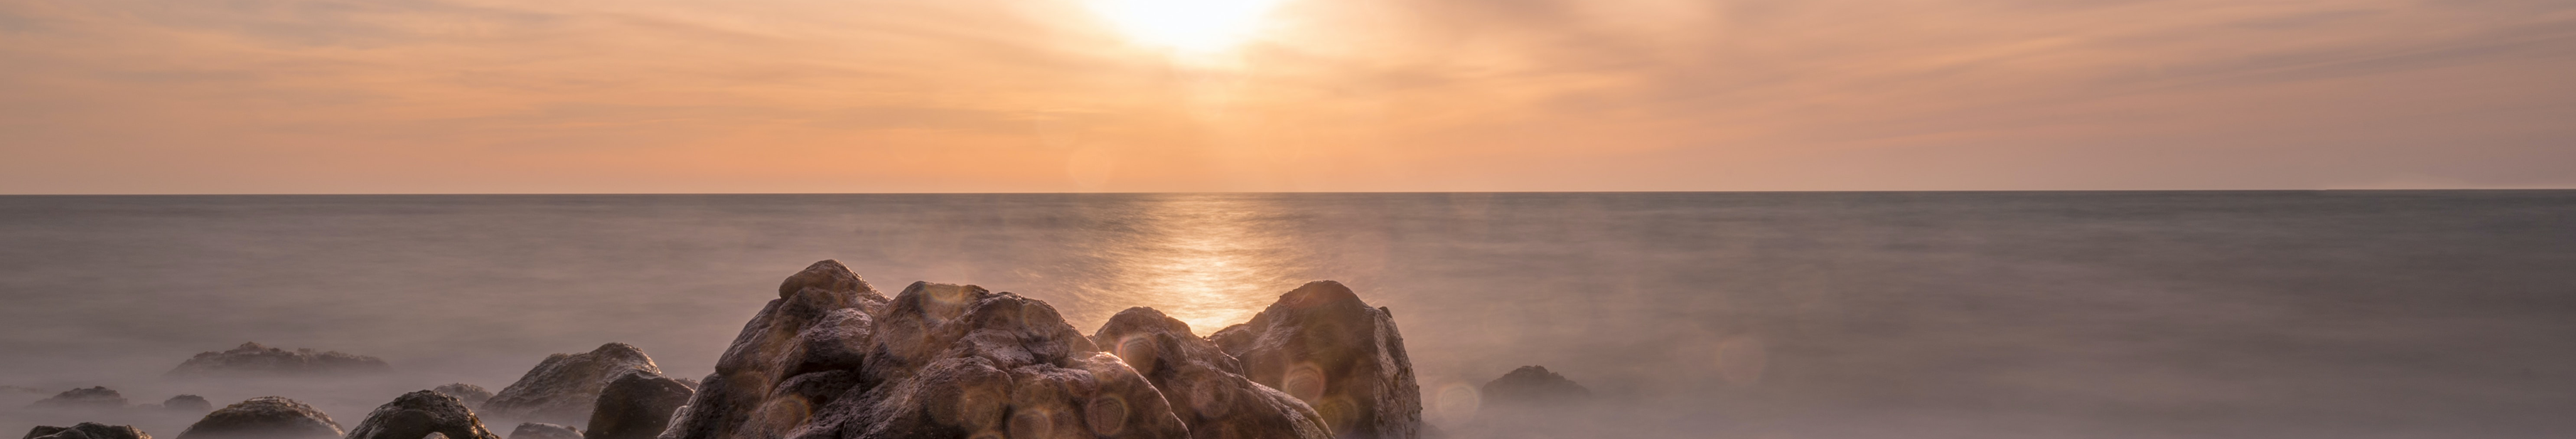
470 96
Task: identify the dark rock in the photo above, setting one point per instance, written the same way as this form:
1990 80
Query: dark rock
472 395
88 430
636 405
1323 345
89 398
252 359
565 387
533 430
1204 386
266 417
188 403
820 329
421 413
1532 385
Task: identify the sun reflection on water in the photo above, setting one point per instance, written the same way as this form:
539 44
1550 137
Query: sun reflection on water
1210 260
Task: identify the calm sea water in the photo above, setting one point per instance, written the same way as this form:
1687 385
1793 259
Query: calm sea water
1763 315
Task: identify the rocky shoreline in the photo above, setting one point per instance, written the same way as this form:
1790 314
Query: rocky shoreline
832 357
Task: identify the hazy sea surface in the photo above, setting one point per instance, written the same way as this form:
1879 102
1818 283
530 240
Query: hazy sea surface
2369 314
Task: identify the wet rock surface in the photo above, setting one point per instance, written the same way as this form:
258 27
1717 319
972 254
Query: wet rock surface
1321 344
83 398
472 395
1532 385
188 403
88 430
266 417
418 414
565 387
636 405
800 351
1204 385
538 430
253 359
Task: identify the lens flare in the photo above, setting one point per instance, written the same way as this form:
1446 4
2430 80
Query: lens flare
1199 26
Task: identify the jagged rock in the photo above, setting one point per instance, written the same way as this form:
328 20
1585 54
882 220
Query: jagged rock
472 395
565 387
1323 345
421 413
1204 386
266 417
534 430
88 430
252 359
88 398
188 403
636 405
1532 385
819 327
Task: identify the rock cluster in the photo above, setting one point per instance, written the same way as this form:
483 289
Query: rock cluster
88 430
87 398
472 395
1532 385
252 359
565 388
636 405
418 414
833 358
1323 345
267 417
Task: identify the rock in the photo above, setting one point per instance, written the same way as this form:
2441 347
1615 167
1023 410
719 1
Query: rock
88 430
565 387
636 405
533 430
1204 386
472 395
188 403
1324 346
252 359
819 329
1532 385
266 417
89 398
421 413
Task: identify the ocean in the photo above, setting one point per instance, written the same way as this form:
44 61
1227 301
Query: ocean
2203 314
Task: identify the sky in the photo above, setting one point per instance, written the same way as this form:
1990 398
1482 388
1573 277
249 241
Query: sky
772 96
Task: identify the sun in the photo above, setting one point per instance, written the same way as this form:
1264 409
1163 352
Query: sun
1199 26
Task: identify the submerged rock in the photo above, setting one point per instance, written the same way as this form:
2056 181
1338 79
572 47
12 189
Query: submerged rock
421 413
636 405
1324 346
535 430
1203 384
565 387
1532 385
472 395
87 398
252 359
266 417
88 430
188 403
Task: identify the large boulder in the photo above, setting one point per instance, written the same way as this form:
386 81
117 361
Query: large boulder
1324 346
1532 385
636 405
796 354
252 359
1204 385
536 430
564 388
85 398
88 430
266 417
188 404
422 413
472 395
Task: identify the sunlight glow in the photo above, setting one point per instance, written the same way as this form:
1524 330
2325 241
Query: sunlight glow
1198 26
